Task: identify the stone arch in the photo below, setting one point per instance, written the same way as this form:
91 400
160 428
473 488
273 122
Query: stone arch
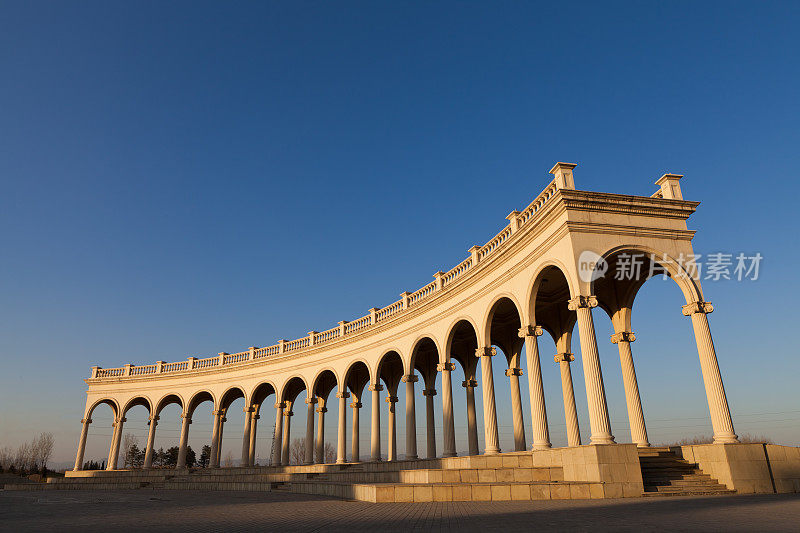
502 323
169 399
357 375
292 387
551 290
485 333
230 395
425 355
141 400
107 401
198 398
323 383
390 369
536 284
261 392
462 341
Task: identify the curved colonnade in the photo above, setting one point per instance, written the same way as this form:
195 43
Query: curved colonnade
529 280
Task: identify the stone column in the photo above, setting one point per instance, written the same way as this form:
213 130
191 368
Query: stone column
712 378
341 455
215 438
411 417
183 444
375 448
222 421
623 340
448 421
541 433
113 455
309 456
253 442
472 423
491 437
151 442
287 437
277 442
82 444
429 416
321 410
392 447
593 375
248 419
570 412
356 406
516 408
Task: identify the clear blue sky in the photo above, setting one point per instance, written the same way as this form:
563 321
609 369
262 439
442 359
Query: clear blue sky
187 178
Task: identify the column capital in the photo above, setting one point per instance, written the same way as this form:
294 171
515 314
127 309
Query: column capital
469 383
288 413
623 336
356 405
120 420
566 356
410 378
256 417
280 405
530 331
154 418
445 367
186 415
513 372
485 351
322 409
248 409
218 412
344 394
391 399
86 420
311 400
697 307
376 387
581 302
429 392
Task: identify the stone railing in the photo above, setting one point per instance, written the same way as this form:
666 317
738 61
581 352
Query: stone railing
478 255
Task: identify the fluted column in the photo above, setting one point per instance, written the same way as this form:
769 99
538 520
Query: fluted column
712 378
472 422
82 444
151 441
215 438
356 453
183 443
253 442
277 442
309 456
516 408
491 437
113 455
341 443
392 445
411 417
570 412
321 410
448 421
222 421
623 340
287 434
592 374
375 434
431 427
248 419
541 433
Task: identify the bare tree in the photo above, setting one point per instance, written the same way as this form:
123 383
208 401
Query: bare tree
42 449
297 452
228 461
130 449
330 453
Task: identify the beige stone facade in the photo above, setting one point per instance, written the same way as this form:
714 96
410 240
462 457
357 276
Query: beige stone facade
530 279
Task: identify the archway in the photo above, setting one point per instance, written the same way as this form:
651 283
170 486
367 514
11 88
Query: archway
355 379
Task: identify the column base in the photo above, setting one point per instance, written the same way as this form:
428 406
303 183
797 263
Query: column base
450 455
491 451
341 461
642 444
541 446
609 439
411 457
726 439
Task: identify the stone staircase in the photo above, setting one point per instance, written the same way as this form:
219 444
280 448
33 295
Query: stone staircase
664 473
510 476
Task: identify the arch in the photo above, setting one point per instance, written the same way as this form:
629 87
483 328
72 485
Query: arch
108 401
261 392
462 341
198 398
415 345
169 399
230 395
390 369
292 387
497 301
503 321
425 354
548 305
144 401
536 284
357 375
325 380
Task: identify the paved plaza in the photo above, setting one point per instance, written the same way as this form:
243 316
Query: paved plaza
173 511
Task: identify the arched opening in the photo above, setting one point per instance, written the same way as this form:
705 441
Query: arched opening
200 427
324 450
136 431
462 341
231 426
355 380
389 370
263 425
425 359
294 448
97 443
166 442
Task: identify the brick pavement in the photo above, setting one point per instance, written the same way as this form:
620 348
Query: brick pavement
173 511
